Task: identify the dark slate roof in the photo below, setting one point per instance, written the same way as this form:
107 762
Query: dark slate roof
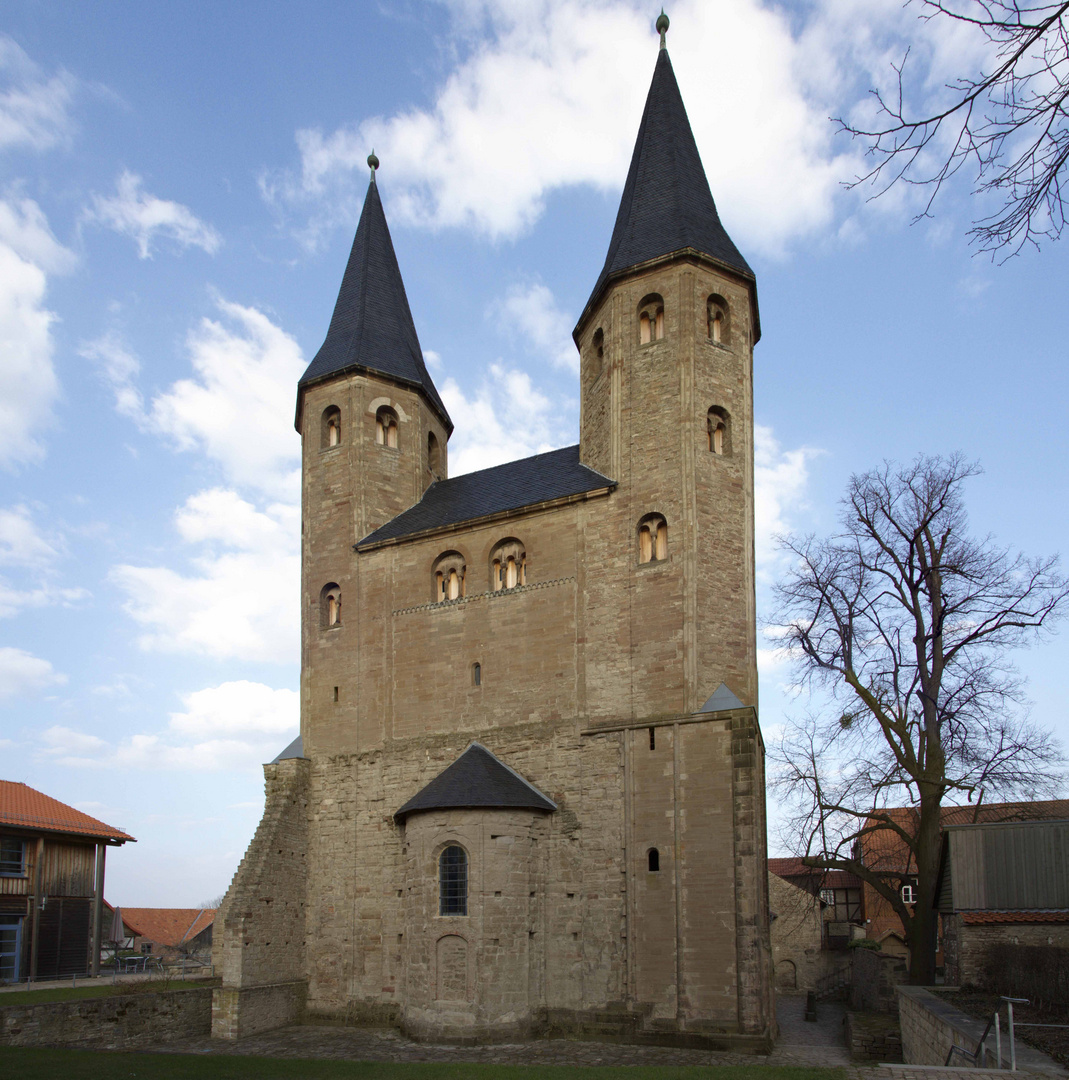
475 779
294 750
722 698
372 325
512 486
666 205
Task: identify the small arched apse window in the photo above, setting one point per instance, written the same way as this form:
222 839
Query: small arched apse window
449 573
597 351
718 429
508 565
653 860
434 455
716 311
386 427
330 606
652 538
650 319
453 881
476 674
330 430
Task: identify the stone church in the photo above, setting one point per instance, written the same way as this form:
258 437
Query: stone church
528 793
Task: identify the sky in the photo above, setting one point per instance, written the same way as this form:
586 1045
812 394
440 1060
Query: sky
179 186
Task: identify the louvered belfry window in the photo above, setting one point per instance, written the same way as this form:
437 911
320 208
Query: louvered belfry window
453 881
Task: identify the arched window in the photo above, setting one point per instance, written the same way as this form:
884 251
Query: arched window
386 427
476 674
330 606
716 311
653 860
650 319
508 565
652 539
453 881
330 430
449 573
718 428
597 351
434 456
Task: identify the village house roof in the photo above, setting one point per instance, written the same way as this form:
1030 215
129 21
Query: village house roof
167 926
791 868
26 808
502 489
998 918
666 207
372 328
477 779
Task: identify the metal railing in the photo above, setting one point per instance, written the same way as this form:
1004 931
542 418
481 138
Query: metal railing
979 1056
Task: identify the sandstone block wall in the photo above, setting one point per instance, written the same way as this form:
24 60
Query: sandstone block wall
122 1022
965 947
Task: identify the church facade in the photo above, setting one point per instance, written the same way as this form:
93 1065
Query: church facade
528 793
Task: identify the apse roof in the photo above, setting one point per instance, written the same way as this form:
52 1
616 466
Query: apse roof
477 779
666 204
372 326
512 486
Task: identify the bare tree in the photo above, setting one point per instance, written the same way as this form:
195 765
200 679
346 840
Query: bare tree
907 621
1009 121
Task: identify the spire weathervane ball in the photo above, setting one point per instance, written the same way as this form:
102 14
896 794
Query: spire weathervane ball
374 163
662 27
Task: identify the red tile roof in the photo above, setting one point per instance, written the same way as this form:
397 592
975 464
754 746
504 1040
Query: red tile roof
984 918
829 879
167 926
27 808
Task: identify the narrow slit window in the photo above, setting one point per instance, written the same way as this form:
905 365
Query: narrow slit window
653 860
653 738
434 456
476 674
453 881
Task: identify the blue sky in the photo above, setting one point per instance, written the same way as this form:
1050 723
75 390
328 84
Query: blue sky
179 190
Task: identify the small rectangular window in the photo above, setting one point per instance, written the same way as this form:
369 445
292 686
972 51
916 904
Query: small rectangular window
12 857
653 738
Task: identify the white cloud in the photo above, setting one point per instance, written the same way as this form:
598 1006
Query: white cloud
238 408
241 600
119 368
553 99
530 317
33 108
21 543
231 726
22 673
506 418
780 479
24 547
135 213
28 383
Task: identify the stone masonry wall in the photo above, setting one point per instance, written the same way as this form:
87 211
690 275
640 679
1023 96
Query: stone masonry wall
122 1022
966 947
260 926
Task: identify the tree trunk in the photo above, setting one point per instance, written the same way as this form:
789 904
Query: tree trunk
924 926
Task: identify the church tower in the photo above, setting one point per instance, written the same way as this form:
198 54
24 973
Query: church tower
528 794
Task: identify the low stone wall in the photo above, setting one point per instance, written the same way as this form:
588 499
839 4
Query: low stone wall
930 1026
873 1037
237 1012
122 1022
873 979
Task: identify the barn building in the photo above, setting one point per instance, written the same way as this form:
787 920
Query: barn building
528 793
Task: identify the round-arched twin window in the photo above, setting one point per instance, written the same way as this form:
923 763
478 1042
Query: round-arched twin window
330 428
652 538
449 573
330 606
453 881
716 313
650 319
718 430
386 427
508 565
597 351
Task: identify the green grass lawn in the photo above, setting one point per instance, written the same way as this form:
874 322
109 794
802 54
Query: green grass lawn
72 993
104 1065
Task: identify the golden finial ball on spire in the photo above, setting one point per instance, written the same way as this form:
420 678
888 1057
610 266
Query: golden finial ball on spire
662 26
373 161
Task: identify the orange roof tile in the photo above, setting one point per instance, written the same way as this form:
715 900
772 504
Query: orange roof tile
829 879
28 808
167 926
986 918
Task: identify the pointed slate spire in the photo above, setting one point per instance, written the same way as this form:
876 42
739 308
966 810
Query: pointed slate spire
666 205
372 326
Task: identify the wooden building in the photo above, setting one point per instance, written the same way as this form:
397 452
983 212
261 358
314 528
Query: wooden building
51 885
